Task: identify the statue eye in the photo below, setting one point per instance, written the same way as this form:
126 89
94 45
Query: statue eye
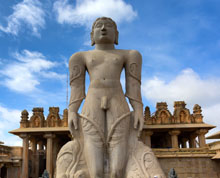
108 25
98 25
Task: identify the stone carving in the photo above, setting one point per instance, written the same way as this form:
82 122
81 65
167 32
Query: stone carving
24 119
53 118
65 118
181 114
162 114
37 119
105 143
197 114
147 116
36 122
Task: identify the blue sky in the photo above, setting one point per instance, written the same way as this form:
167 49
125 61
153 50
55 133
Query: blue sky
179 42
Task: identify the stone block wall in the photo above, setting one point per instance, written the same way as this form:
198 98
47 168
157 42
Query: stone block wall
192 167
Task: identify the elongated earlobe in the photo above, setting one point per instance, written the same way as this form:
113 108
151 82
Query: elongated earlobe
116 38
92 40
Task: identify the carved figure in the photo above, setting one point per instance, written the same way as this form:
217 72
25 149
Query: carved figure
37 122
163 115
182 117
181 113
37 119
105 143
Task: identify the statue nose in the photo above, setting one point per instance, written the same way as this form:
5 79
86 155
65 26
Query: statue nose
103 27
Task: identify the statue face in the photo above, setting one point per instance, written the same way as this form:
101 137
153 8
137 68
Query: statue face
104 32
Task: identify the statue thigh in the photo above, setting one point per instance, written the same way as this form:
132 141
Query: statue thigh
118 143
92 128
106 127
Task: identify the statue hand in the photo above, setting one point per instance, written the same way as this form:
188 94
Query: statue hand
138 120
72 121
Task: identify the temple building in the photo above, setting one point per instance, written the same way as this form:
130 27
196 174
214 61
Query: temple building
178 141
43 138
180 130
215 145
10 161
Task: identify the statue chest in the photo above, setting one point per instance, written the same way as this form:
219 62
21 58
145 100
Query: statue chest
104 61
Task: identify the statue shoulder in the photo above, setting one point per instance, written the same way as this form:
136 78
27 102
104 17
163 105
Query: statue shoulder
77 58
133 56
135 53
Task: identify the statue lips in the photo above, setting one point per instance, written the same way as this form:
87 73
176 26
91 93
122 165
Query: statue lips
103 33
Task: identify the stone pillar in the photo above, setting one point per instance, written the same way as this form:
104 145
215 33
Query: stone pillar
25 157
201 135
34 156
174 138
184 140
1 165
192 141
49 153
148 135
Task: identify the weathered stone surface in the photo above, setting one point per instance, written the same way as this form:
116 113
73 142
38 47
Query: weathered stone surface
105 142
181 114
141 160
194 167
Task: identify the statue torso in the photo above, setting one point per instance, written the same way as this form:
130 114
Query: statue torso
104 64
104 68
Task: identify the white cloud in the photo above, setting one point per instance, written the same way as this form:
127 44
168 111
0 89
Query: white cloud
27 13
24 75
188 86
9 119
86 11
9 115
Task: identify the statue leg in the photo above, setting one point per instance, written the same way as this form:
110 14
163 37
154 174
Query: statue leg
93 142
94 158
118 147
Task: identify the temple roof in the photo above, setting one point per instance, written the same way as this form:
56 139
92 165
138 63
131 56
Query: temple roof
179 126
39 129
214 136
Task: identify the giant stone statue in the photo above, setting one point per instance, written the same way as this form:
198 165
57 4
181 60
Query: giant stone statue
105 143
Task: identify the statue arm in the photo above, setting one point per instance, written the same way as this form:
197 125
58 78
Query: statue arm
77 83
133 86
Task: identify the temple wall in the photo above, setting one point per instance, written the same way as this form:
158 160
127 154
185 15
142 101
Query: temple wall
191 167
13 172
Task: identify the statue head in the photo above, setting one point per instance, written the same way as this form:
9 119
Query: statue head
104 23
